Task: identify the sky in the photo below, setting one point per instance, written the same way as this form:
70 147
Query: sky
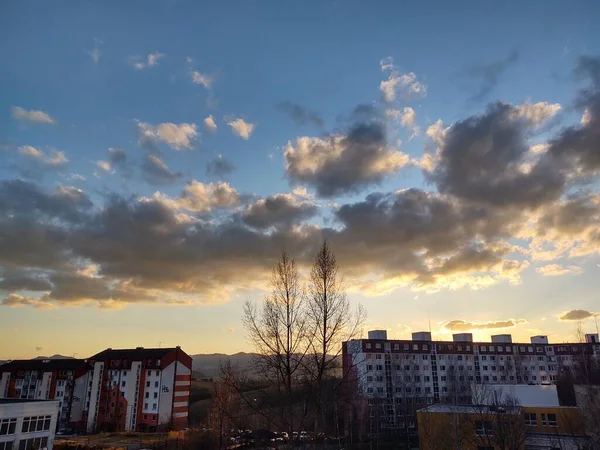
156 158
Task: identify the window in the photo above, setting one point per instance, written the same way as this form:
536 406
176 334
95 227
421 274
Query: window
443 378
417 378
425 356
459 357
378 356
378 345
426 379
33 443
156 384
369 390
552 420
442 367
416 367
149 373
485 367
153 406
379 378
380 390
483 348
148 394
542 367
483 428
484 358
145 405
377 367
406 346
8 445
31 424
531 419
123 383
369 368
7 426
368 346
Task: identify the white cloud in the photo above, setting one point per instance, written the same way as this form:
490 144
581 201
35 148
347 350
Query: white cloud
31 115
242 128
104 166
150 61
387 63
539 148
201 197
95 53
555 270
210 124
586 117
405 83
76 177
55 158
177 136
537 113
202 79
406 118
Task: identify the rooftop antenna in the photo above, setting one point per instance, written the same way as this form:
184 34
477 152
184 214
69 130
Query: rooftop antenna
160 343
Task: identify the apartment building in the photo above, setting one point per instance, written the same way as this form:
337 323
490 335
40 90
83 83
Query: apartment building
396 377
27 424
137 389
63 380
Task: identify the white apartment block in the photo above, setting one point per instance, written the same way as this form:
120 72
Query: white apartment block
27 424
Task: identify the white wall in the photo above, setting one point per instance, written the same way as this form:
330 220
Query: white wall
526 395
79 396
165 394
20 410
96 387
4 380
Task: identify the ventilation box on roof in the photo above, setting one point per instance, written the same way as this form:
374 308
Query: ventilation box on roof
421 336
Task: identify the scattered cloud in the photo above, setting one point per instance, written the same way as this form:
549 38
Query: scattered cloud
554 270
151 60
202 79
241 128
462 325
404 83
210 124
537 113
577 314
50 158
300 114
279 210
156 172
219 167
177 136
104 166
32 115
406 118
485 77
39 349
343 163
95 53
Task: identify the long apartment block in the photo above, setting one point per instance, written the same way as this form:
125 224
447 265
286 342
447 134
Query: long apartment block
432 370
139 389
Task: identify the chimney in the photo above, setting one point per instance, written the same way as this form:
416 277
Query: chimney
378 334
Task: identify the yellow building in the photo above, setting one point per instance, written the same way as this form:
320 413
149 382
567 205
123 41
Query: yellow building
485 427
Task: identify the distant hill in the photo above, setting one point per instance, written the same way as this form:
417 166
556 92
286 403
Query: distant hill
210 364
54 357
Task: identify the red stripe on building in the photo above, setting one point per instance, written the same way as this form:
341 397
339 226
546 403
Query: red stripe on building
183 378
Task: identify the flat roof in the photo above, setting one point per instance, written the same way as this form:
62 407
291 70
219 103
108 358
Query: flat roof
23 400
466 409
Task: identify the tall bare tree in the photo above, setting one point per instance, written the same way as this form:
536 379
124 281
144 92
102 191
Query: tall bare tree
278 332
331 320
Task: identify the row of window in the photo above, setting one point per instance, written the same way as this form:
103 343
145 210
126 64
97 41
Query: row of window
156 394
39 423
33 443
467 347
153 406
546 419
8 426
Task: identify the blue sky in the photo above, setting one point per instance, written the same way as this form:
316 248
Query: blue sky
81 78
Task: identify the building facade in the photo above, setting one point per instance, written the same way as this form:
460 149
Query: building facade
27 424
63 380
394 378
115 390
139 389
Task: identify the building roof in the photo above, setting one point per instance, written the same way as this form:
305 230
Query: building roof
12 401
43 364
133 354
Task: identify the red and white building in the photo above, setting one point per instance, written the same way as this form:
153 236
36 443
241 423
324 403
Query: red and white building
115 390
138 389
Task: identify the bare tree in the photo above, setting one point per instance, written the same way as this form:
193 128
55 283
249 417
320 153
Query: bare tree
331 321
278 332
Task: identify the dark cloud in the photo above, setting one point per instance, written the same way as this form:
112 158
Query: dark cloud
344 163
23 281
577 314
117 157
156 172
485 77
219 167
300 114
481 160
278 210
462 325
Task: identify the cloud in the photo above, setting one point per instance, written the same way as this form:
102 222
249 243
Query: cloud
39 349
577 314
150 61
116 156
16 300
202 79
485 77
219 167
406 118
156 172
480 159
241 128
32 115
554 270
343 163
104 166
462 325
537 113
95 53
278 210
202 197
52 158
404 83
300 114
177 136
210 124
